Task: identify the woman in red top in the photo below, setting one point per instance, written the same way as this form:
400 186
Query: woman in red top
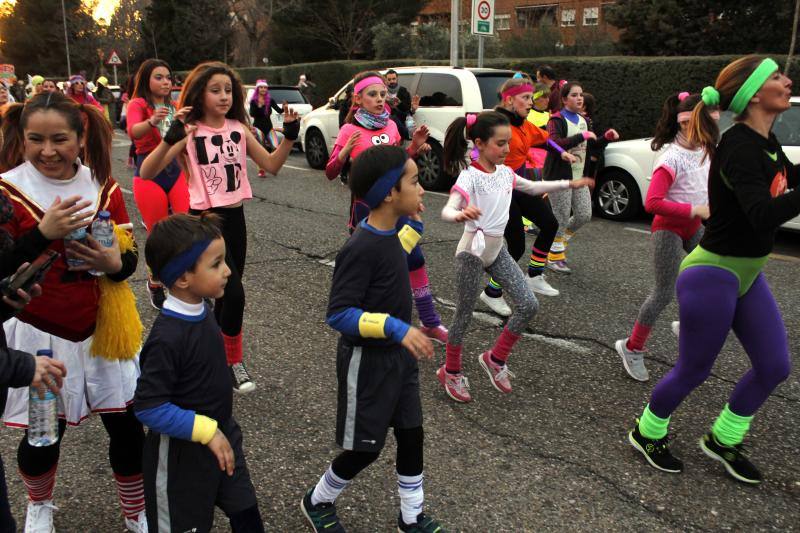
149 114
79 93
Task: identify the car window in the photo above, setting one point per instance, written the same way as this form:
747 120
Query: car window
786 127
405 80
490 86
439 90
293 96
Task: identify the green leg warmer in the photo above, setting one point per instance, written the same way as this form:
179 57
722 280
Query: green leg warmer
730 428
651 426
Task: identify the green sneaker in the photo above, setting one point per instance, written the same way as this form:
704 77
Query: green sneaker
322 516
425 524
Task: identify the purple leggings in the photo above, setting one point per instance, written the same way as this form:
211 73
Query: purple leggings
709 308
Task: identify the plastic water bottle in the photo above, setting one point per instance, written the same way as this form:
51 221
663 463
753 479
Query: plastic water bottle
76 235
103 232
410 124
42 415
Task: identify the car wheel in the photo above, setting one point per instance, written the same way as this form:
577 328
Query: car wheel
316 151
431 169
618 196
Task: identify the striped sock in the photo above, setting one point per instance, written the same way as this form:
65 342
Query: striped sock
329 487
411 497
557 250
40 488
423 299
493 289
537 262
233 348
131 494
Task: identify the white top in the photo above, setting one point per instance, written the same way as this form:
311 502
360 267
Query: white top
43 190
578 151
689 169
491 193
176 305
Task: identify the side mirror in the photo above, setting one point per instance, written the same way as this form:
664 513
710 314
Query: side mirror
332 103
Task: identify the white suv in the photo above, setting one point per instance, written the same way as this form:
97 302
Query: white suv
622 184
446 93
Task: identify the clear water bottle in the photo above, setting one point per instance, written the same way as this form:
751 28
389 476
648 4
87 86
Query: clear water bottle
42 414
103 232
76 235
410 124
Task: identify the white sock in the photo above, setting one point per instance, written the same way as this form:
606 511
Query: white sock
329 487
411 497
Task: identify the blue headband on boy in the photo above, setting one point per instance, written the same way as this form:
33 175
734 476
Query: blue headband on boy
381 188
181 263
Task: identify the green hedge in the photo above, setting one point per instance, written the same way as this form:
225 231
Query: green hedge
629 90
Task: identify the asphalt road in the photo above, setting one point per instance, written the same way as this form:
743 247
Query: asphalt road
551 456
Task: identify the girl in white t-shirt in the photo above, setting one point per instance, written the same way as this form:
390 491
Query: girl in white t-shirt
480 199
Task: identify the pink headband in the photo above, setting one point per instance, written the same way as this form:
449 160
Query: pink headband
684 116
366 82
519 89
683 96
261 83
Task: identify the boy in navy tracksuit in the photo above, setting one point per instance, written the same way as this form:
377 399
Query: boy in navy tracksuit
193 457
376 360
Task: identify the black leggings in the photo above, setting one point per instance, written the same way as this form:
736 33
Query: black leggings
537 210
229 310
126 441
409 460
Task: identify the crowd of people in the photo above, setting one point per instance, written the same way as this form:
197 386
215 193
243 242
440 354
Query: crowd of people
530 162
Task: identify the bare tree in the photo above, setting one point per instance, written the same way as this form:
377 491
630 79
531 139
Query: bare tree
794 38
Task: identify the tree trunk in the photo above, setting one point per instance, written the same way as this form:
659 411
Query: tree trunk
794 38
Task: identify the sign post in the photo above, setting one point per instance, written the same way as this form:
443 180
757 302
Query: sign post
454 16
482 23
114 61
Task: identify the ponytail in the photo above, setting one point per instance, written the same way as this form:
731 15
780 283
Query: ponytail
472 126
703 129
97 143
12 150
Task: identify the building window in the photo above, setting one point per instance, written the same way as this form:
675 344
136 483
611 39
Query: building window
567 17
604 7
535 16
414 28
502 22
591 16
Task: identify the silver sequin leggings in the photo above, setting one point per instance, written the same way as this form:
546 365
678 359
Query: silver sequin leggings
577 202
669 249
469 273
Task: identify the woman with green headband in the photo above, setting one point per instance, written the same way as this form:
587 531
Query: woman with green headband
721 286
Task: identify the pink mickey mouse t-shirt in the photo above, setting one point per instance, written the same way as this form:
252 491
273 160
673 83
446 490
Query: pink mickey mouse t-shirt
218 166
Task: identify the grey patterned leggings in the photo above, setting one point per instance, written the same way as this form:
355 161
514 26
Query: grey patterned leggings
469 273
578 202
668 252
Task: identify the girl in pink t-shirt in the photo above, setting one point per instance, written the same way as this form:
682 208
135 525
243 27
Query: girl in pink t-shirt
368 124
211 137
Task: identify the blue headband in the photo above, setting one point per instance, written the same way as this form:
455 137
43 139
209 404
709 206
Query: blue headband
381 188
181 263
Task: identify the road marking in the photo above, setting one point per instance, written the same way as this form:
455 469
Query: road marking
126 191
638 230
327 262
781 257
296 168
445 194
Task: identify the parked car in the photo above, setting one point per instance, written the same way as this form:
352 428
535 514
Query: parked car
446 93
622 185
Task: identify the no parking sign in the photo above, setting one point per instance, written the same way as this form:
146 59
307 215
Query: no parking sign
483 17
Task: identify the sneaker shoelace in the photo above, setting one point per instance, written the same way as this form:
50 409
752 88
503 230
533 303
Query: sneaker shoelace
37 508
240 373
460 383
504 373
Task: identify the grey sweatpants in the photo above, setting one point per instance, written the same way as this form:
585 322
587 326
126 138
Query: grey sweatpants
469 273
577 202
669 249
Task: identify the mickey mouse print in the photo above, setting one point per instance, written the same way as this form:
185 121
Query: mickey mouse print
219 165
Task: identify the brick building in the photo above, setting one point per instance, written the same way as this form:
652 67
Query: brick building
517 16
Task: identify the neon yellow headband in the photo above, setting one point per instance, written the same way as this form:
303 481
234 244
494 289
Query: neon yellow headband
538 94
749 88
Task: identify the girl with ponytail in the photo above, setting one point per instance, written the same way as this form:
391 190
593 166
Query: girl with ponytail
368 124
481 199
678 197
752 190
56 168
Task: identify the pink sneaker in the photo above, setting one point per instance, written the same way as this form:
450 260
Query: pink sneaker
436 333
498 374
455 385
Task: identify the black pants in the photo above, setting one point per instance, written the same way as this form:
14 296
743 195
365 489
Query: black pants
126 439
409 460
537 210
229 310
7 523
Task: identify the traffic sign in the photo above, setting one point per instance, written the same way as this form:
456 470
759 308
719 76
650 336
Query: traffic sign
113 59
483 17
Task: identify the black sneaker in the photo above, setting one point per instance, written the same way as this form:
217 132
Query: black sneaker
732 458
425 524
322 516
157 295
656 451
241 378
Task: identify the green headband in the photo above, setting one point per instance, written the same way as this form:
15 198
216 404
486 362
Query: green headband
538 94
749 88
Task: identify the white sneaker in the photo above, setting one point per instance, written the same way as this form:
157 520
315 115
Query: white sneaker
139 525
632 360
498 305
39 518
676 328
539 285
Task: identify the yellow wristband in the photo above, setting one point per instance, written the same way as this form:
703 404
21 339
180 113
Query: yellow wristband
409 237
204 429
371 325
